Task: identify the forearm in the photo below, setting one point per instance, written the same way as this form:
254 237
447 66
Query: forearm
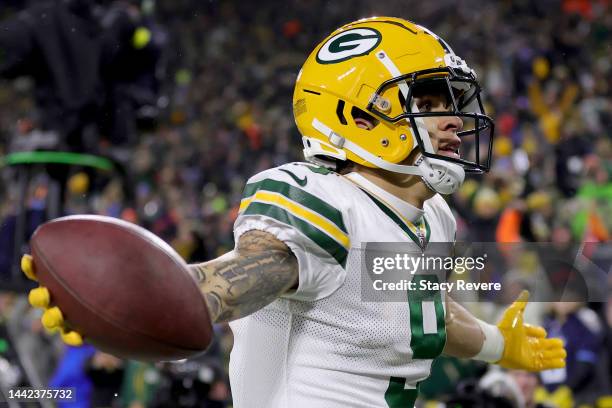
464 336
469 337
243 281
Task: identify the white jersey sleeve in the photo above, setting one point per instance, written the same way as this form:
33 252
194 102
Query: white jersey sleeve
295 203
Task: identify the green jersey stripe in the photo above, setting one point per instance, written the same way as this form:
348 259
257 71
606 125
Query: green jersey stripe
299 196
324 241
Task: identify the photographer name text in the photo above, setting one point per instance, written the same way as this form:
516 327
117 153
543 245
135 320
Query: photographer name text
459 285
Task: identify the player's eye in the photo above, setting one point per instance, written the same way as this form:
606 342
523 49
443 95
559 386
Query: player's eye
438 103
425 105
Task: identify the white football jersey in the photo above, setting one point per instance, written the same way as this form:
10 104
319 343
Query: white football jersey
323 346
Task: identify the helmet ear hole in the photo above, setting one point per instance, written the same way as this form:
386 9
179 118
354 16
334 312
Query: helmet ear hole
340 112
363 119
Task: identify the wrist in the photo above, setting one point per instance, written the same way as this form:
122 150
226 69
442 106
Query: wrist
492 345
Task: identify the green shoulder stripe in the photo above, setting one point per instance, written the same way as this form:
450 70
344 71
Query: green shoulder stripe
300 196
333 248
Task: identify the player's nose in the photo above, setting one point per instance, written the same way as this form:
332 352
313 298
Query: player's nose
450 123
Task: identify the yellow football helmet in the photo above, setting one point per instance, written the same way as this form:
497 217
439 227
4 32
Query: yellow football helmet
371 70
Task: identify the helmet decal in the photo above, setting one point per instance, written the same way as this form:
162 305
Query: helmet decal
348 44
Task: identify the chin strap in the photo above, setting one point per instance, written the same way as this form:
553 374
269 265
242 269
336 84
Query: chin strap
341 142
441 176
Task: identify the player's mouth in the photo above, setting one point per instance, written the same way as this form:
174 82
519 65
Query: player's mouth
449 152
449 146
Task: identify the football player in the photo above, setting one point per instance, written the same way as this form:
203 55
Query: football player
391 119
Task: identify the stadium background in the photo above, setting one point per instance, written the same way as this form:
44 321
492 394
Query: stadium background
198 98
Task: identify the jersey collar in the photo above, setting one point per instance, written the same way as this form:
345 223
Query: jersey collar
407 210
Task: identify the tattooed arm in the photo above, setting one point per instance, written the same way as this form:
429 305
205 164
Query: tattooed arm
258 271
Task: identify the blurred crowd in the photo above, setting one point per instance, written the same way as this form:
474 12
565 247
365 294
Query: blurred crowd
222 84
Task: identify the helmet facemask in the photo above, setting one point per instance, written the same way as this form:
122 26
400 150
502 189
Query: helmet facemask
462 94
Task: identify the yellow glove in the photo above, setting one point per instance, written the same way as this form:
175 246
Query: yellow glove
526 347
561 397
52 318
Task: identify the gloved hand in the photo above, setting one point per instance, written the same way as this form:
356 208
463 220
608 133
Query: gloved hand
526 347
52 318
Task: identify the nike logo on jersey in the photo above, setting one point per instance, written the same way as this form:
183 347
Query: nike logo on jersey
299 181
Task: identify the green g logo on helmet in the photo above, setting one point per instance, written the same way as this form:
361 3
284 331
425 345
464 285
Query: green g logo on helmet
348 44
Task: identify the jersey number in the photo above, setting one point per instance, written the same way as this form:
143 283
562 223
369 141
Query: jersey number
426 320
428 337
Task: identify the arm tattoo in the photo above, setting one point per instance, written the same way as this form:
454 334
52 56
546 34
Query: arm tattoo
239 283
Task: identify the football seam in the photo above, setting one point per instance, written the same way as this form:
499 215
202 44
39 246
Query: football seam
101 315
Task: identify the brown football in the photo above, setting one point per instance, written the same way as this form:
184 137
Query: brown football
123 288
